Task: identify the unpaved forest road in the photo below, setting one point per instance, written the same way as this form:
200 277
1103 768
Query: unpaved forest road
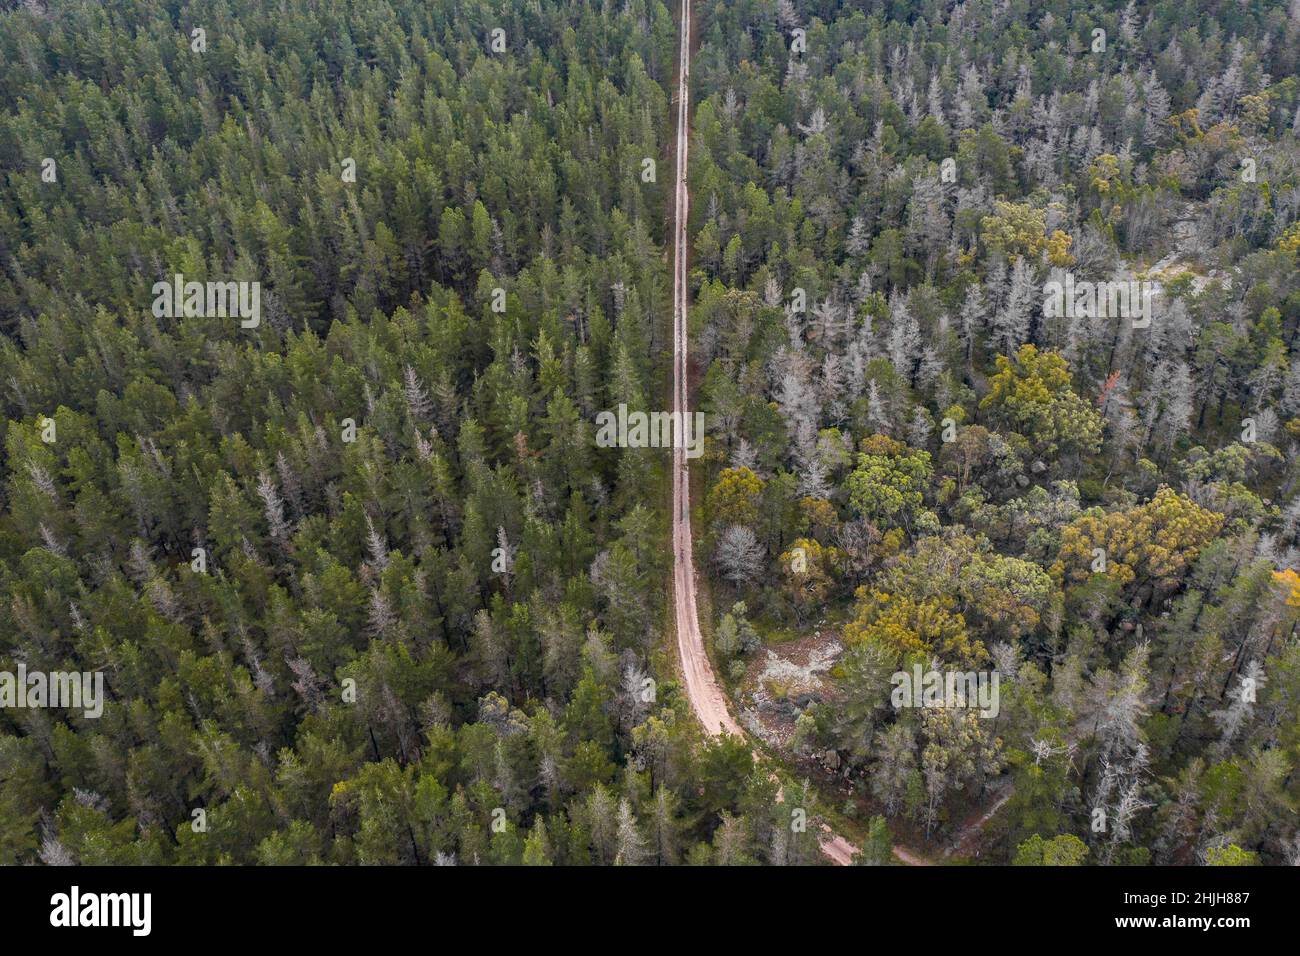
702 688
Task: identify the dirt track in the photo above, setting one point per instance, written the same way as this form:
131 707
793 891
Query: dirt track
702 688
701 685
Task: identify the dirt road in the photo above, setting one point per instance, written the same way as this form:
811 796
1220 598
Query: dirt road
701 685
702 688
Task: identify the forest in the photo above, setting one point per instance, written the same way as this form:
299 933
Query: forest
915 447
362 584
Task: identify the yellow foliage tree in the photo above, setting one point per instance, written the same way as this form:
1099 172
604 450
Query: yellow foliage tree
1014 229
806 569
1104 173
1058 249
903 626
1031 392
735 497
1290 581
1154 541
1290 241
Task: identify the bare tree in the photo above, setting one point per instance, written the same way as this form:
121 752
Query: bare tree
738 554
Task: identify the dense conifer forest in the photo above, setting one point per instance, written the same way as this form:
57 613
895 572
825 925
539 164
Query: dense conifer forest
240 527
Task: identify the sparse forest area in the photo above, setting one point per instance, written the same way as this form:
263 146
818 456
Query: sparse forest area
910 443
